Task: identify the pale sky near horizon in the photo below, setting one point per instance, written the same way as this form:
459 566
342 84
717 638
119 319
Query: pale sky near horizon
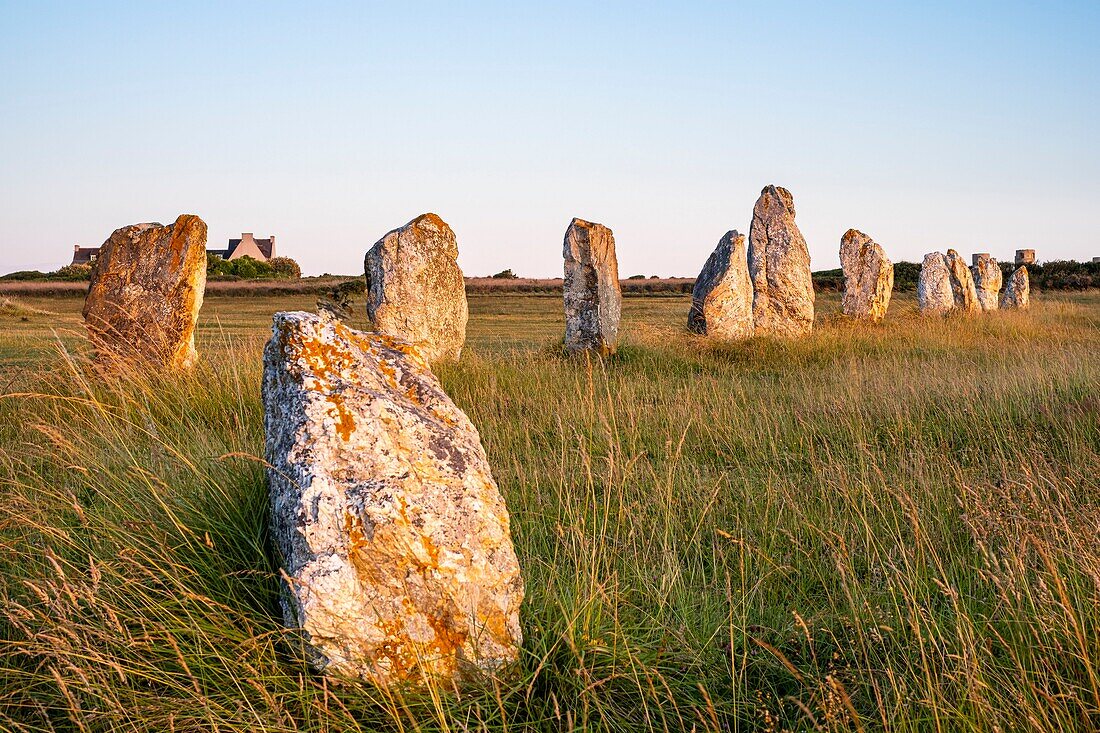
926 125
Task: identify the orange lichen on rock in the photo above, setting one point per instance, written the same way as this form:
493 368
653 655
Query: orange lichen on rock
385 511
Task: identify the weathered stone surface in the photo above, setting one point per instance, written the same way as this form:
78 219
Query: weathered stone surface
987 281
1017 292
145 294
593 301
868 277
390 526
779 266
934 295
1025 257
721 301
962 283
415 289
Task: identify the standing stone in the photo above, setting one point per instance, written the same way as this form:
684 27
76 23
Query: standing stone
962 283
415 289
145 294
934 296
1017 293
721 301
868 277
779 265
593 301
1025 257
987 281
390 527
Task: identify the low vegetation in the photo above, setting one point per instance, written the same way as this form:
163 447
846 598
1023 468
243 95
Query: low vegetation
248 268
68 273
1062 275
892 527
242 268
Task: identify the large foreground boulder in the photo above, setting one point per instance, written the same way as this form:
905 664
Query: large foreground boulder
721 301
963 291
593 301
934 295
391 529
779 266
987 281
145 294
1017 293
868 277
415 289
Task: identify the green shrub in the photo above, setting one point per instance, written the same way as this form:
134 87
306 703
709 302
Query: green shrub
1060 274
505 275
247 268
906 275
217 267
73 273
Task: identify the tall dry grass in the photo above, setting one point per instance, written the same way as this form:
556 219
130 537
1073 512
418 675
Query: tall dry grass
876 528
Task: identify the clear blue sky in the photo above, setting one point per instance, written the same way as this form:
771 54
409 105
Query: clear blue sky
927 125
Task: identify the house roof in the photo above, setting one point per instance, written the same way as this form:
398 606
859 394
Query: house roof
83 255
264 245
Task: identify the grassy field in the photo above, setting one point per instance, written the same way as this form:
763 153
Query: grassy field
891 527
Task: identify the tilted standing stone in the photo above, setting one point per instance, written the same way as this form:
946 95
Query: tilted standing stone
962 283
1017 293
593 301
391 529
868 277
415 289
721 301
779 266
145 294
987 281
934 294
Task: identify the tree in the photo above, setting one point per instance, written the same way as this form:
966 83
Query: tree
506 275
285 267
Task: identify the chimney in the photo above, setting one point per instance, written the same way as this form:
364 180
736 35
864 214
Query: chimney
76 248
272 238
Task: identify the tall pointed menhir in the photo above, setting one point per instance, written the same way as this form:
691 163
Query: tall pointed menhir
1017 293
415 289
145 294
593 301
987 281
868 277
721 301
779 265
962 284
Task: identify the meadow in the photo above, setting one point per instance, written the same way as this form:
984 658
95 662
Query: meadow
891 527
